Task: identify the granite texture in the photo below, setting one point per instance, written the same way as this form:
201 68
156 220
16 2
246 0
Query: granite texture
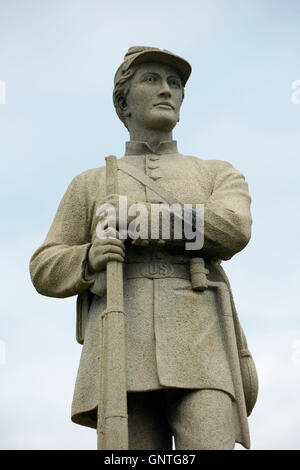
175 335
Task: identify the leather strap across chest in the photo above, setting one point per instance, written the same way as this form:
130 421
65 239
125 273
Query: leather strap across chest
147 181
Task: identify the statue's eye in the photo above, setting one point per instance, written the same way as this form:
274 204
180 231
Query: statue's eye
150 79
174 82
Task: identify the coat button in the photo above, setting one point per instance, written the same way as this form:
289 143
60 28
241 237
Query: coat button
155 177
153 166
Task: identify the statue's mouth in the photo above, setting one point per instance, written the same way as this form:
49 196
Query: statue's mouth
165 104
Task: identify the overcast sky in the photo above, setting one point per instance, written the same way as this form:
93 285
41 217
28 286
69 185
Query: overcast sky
57 59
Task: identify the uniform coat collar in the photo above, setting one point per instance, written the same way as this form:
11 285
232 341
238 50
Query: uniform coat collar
142 148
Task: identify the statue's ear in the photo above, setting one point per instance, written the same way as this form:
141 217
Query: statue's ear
122 103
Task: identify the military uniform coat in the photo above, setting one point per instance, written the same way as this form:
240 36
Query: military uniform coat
174 335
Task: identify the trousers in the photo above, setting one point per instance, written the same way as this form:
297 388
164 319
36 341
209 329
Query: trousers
197 419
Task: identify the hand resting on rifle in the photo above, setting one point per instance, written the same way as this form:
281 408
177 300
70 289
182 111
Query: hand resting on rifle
104 250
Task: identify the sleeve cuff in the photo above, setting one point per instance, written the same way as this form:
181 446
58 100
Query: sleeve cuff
96 281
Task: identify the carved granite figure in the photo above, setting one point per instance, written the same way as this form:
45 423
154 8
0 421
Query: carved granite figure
189 371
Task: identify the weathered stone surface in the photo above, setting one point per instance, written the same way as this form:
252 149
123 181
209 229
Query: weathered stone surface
184 342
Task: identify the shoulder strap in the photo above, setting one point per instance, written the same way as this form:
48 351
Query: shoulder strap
147 181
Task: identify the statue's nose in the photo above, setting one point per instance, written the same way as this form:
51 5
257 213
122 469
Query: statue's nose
165 89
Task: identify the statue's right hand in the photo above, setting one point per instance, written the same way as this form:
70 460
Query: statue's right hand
104 250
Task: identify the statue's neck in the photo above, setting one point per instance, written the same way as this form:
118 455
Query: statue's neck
152 137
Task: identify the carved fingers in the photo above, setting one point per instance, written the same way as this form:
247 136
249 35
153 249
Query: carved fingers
104 250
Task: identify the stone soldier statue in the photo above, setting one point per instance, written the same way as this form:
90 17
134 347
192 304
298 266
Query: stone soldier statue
181 381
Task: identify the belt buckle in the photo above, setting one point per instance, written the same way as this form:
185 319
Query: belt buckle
157 269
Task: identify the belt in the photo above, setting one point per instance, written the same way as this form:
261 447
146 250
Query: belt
157 270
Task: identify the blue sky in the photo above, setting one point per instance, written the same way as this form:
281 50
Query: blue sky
58 59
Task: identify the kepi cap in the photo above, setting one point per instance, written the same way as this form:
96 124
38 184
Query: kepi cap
140 55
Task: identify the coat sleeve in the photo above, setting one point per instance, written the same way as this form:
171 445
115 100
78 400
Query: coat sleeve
58 267
227 216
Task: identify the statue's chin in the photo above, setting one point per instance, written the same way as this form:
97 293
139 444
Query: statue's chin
162 122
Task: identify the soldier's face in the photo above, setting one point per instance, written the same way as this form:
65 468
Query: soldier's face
155 97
